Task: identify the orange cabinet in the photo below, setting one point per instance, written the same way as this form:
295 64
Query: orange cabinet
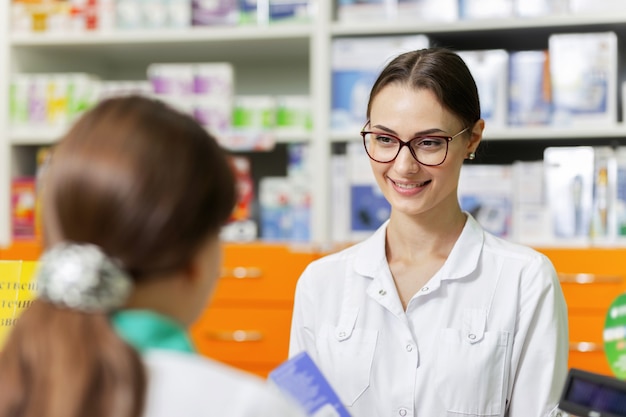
247 322
591 279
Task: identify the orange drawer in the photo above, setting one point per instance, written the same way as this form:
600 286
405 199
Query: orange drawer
602 261
593 361
589 291
257 273
243 335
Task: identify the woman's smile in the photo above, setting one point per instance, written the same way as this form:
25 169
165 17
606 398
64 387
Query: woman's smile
409 187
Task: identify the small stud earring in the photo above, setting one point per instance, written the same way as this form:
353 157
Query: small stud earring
471 156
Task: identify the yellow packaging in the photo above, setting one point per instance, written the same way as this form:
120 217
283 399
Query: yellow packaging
17 290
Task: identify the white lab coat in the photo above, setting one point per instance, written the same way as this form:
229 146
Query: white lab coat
486 336
186 385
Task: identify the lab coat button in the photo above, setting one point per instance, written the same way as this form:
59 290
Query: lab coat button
342 334
402 412
471 336
382 292
409 348
424 289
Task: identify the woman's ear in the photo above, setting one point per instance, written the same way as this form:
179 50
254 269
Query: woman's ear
205 263
191 272
476 136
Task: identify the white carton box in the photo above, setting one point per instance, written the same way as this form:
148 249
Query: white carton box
569 191
534 8
620 194
368 10
530 98
426 10
583 71
531 220
490 69
485 9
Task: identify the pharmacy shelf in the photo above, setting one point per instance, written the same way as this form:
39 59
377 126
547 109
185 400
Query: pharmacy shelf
557 133
586 22
165 36
269 59
49 135
507 33
239 44
5 149
525 133
277 59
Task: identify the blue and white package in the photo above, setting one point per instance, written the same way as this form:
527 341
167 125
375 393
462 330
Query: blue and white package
301 380
530 99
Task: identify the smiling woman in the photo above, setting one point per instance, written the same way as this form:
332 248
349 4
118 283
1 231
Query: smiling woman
432 315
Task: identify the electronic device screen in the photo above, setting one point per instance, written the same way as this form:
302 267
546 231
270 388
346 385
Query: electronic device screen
594 395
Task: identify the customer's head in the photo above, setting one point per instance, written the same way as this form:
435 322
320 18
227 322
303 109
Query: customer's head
136 192
145 183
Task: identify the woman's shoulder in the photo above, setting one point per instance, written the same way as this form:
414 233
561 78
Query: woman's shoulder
193 385
506 246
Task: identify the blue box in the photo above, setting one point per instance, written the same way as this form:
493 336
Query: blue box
300 379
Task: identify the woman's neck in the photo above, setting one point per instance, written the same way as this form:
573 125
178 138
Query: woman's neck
432 234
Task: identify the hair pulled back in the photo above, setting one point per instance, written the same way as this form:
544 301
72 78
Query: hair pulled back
439 70
146 184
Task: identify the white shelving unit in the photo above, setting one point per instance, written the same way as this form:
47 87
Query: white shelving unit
5 140
274 59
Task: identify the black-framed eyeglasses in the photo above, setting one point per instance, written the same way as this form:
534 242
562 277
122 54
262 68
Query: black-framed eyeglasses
429 150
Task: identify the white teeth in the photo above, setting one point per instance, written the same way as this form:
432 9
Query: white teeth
410 186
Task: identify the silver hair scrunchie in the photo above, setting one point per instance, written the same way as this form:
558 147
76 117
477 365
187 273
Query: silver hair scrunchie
82 277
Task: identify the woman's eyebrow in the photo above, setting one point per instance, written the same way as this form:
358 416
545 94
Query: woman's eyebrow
420 133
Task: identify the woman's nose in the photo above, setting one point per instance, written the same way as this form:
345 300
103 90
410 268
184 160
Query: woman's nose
405 162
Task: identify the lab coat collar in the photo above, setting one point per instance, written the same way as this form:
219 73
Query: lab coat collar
371 254
462 261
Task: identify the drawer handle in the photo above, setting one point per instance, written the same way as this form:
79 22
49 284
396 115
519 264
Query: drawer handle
590 279
242 272
238 336
585 347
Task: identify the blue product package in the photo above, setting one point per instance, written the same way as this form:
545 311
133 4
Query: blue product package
287 10
369 208
248 11
300 379
492 212
530 101
350 93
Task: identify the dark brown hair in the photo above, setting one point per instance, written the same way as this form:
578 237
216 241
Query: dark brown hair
439 70
148 185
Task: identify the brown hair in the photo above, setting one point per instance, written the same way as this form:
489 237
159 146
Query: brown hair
146 184
439 70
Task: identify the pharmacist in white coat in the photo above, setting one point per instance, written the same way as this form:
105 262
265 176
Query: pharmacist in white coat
432 315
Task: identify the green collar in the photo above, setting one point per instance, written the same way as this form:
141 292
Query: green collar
145 330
